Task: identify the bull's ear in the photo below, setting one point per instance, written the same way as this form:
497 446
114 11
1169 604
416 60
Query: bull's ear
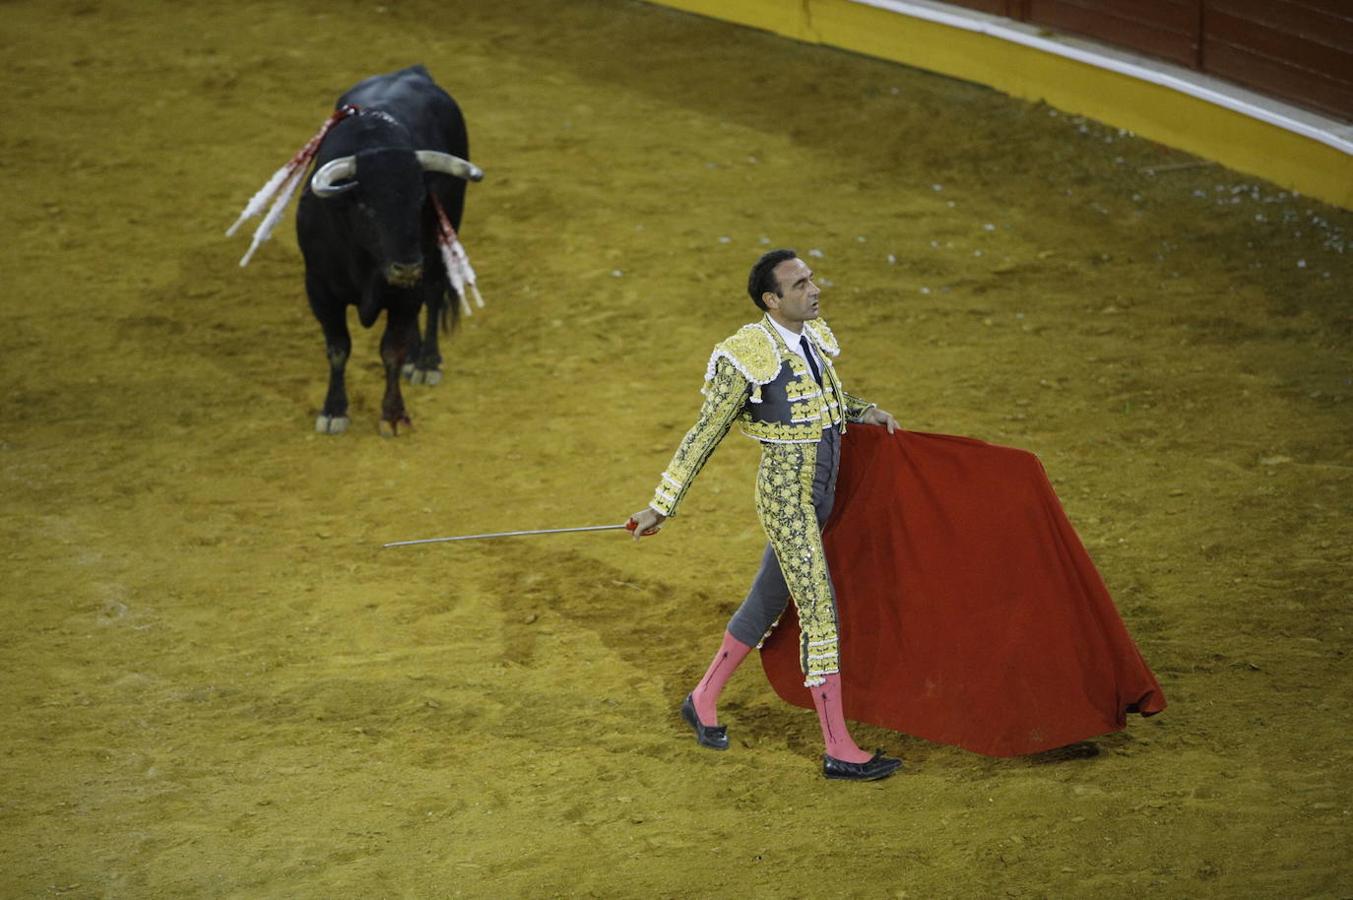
322 183
436 161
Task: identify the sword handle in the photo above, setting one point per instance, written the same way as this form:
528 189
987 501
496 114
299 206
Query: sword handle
648 532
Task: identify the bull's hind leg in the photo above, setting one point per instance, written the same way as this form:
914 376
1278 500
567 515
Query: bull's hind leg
400 337
333 319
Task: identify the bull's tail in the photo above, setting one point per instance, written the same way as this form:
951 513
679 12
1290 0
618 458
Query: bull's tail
450 312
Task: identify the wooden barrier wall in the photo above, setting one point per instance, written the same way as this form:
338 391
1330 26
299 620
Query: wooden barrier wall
1314 157
1298 50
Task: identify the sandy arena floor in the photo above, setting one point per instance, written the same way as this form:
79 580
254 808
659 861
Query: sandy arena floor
217 684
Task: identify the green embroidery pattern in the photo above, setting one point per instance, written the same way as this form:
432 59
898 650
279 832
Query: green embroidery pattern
855 407
780 433
725 394
752 350
738 368
784 503
823 337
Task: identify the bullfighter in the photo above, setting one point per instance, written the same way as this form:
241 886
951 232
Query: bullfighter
777 378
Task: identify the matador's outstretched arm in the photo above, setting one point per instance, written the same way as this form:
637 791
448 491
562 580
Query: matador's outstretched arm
725 394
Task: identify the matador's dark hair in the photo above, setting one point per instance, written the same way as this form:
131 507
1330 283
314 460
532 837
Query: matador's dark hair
762 277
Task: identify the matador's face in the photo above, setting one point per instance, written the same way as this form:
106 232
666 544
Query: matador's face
798 300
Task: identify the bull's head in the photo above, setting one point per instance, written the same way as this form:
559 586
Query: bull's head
390 201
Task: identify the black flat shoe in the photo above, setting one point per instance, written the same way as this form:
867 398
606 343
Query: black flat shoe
715 737
879 766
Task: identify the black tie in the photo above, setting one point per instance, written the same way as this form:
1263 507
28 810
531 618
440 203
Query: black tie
808 355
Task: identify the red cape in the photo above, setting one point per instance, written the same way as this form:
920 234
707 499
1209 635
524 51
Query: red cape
970 612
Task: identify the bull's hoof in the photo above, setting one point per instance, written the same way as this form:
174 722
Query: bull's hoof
331 424
415 375
391 429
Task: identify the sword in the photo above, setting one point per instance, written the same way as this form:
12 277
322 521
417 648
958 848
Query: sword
628 526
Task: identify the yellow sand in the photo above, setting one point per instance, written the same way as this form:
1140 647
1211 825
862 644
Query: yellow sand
217 684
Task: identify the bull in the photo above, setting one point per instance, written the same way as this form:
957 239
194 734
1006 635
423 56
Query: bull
368 226
389 180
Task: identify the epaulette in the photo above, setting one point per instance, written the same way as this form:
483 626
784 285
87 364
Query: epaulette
752 352
823 337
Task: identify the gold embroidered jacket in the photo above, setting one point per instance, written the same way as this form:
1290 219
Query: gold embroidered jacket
753 377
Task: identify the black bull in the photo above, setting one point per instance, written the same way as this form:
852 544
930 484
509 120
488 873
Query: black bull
368 231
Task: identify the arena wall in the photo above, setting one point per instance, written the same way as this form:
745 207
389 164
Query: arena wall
1218 120
1298 50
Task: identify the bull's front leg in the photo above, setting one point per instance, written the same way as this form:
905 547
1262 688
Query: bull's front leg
332 316
398 341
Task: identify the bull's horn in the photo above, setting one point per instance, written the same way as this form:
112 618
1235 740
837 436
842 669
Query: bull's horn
434 161
322 182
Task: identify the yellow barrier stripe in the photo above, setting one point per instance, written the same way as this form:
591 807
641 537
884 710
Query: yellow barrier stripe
1154 111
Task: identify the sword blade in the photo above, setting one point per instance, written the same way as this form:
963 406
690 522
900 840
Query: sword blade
502 534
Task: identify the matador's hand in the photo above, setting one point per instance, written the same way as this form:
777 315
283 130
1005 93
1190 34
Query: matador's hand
876 416
645 522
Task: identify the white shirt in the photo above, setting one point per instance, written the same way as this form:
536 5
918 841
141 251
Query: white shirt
792 340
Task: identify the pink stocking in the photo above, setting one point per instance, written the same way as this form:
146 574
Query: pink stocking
721 668
832 717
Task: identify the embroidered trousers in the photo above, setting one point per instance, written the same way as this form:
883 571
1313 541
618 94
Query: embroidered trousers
795 489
